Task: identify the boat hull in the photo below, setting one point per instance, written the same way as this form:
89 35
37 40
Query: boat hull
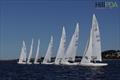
93 64
36 63
67 63
29 63
21 62
48 63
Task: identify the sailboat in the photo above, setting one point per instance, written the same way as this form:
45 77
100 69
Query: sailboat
61 50
47 58
30 54
92 54
72 48
37 53
22 59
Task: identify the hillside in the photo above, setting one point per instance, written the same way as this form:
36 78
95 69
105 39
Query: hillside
111 54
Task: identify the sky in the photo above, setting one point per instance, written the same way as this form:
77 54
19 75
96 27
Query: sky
39 19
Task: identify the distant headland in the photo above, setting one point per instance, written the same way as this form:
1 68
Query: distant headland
111 54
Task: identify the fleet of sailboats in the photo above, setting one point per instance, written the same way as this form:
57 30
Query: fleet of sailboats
66 56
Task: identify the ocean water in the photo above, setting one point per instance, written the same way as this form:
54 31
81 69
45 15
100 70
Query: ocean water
11 71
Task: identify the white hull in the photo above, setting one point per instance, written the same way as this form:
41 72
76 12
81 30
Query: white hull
36 63
48 63
21 62
29 63
93 64
67 63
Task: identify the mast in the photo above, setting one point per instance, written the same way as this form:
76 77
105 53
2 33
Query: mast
37 53
61 49
72 48
30 54
49 52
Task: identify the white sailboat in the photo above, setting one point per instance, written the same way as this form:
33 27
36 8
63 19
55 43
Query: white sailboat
37 53
92 52
61 50
30 54
47 58
22 59
72 48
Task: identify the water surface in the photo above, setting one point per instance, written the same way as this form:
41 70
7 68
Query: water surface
9 71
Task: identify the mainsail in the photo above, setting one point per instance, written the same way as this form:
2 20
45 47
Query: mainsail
61 49
49 52
72 48
23 53
93 48
30 54
96 40
37 53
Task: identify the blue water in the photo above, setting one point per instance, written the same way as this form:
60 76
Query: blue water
10 71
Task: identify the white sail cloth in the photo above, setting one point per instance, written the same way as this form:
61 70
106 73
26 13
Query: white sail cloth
93 47
47 58
61 50
22 59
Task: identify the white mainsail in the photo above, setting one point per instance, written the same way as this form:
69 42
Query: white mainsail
49 52
72 48
96 40
93 48
30 54
61 49
37 53
22 59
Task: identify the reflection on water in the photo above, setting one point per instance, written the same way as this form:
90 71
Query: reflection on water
94 73
54 72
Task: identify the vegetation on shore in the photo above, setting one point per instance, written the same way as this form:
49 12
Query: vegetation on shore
111 54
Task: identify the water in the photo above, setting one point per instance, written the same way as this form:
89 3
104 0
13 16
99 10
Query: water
10 71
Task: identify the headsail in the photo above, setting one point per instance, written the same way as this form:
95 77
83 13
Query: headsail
72 48
61 49
23 53
49 52
88 51
37 53
30 54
